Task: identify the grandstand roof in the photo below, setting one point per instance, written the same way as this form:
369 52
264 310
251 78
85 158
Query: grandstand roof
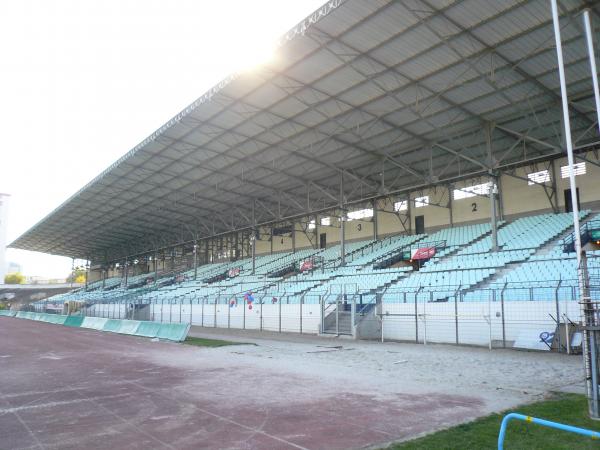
389 96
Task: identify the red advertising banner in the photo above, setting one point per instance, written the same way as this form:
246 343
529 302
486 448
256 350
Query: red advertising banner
423 253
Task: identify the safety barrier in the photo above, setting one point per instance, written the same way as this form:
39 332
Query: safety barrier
170 331
93 323
173 331
148 329
544 423
128 327
112 325
73 321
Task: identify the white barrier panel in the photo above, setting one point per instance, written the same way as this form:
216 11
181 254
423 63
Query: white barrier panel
269 317
474 323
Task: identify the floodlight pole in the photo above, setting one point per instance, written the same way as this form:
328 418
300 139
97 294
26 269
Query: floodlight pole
592 57
589 344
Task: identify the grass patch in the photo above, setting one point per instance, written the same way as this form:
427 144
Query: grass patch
203 342
482 433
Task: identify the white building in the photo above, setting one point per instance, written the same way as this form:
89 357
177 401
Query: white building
3 223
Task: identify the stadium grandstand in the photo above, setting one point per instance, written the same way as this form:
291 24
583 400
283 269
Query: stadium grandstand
393 164
422 171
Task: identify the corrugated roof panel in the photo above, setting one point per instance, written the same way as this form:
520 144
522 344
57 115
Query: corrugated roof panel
340 80
208 144
388 22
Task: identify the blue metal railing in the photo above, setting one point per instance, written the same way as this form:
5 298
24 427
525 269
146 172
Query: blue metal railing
545 423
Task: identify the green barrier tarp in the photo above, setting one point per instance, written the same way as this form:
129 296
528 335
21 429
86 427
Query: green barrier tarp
148 329
112 325
73 321
94 323
128 326
173 331
7 313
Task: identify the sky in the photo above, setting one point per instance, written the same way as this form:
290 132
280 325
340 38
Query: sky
83 82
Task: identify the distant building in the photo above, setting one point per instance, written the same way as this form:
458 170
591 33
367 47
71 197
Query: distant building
3 222
14 267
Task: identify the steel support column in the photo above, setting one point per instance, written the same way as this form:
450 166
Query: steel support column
493 187
342 222
126 269
195 260
293 237
375 222
450 211
253 237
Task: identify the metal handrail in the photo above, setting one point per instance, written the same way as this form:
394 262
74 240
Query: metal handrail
545 423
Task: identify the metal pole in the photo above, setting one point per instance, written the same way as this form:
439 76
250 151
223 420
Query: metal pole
416 319
588 338
558 314
503 319
203 301
293 237
456 315
322 303
353 316
592 56
279 301
425 318
215 315
301 303
337 315
229 314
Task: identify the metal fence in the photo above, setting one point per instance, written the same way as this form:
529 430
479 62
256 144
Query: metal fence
499 316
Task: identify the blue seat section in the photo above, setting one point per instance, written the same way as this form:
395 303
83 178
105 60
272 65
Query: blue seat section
380 249
529 255
457 237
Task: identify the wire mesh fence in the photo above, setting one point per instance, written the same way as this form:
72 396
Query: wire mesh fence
542 316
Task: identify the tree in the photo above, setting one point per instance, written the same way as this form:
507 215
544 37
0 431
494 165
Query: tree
14 278
77 276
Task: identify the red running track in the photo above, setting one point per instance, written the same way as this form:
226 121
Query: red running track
74 389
